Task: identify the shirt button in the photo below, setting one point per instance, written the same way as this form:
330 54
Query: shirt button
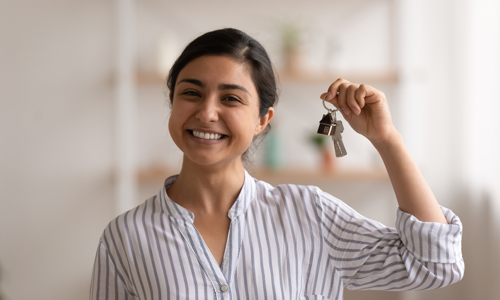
224 288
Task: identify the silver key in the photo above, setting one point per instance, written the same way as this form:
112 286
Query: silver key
338 128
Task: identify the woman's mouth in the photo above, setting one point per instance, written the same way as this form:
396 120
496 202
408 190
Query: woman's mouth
206 135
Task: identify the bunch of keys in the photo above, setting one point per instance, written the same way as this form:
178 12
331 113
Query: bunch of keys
329 125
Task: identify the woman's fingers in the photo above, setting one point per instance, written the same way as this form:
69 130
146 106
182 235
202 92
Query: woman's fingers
342 98
333 91
372 95
347 100
347 96
360 95
351 99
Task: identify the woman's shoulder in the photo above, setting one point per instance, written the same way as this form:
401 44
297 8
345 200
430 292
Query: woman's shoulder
283 189
303 197
287 192
126 225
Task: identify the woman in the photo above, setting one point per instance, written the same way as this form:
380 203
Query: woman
214 232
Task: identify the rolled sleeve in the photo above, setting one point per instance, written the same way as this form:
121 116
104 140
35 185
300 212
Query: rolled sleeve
431 242
371 256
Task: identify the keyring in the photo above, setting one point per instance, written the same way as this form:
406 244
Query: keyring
328 109
331 127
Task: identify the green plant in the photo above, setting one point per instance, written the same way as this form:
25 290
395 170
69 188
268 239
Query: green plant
291 36
318 140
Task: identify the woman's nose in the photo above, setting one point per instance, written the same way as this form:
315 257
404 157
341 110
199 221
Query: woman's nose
208 111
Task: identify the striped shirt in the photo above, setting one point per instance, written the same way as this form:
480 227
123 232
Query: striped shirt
284 242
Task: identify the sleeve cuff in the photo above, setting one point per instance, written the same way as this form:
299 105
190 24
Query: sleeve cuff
431 242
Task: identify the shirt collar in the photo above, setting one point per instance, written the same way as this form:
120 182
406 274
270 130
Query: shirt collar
243 201
169 206
247 195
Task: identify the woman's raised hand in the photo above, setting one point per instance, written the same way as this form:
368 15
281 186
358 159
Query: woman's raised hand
366 110
364 107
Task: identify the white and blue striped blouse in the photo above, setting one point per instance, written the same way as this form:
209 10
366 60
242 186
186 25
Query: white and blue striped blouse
284 242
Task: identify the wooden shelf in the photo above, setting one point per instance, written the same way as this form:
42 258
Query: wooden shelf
154 174
143 78
310 176
150 78
294 176
389 76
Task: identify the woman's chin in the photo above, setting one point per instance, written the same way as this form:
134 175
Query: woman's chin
210 160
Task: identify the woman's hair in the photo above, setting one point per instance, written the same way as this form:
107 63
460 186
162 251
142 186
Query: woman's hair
244 49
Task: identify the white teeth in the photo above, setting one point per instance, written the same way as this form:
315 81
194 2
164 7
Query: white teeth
206 136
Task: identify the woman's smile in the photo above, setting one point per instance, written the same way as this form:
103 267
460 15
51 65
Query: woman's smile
206 137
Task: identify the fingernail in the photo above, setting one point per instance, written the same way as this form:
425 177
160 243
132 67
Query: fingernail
346 111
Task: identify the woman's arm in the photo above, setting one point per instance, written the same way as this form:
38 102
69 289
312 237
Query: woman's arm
412 191
365 109
106 282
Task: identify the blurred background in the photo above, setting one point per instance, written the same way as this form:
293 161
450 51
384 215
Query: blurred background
83 119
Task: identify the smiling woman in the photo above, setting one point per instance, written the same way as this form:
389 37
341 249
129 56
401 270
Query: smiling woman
214 232
215 95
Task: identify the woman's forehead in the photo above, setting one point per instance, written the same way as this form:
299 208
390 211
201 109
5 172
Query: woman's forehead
217 70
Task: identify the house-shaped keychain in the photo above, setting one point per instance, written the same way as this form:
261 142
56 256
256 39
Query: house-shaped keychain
326 125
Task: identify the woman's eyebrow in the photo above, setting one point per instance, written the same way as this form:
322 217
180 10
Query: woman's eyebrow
232 87
193 81
222 87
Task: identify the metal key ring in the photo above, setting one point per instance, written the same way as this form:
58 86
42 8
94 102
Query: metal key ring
328 109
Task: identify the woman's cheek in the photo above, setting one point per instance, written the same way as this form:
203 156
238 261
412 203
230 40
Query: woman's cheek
174 128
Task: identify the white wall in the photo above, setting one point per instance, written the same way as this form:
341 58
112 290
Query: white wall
56 144
456 71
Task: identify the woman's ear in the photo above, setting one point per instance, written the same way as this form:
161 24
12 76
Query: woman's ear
171 98
263 121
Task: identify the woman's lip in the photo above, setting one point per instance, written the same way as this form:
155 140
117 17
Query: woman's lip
206 142
206 131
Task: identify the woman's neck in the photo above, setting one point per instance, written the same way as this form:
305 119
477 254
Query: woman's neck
207 189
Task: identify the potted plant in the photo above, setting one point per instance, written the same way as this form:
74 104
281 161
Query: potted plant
327 159
291 41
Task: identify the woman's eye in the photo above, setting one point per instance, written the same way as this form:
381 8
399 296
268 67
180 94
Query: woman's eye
191 93
232 99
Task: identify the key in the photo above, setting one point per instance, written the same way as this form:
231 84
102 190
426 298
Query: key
338 128
326 125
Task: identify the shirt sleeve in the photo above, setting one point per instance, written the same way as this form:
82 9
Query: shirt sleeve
371 256
106 281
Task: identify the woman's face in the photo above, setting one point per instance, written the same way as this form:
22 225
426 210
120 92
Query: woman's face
215 110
